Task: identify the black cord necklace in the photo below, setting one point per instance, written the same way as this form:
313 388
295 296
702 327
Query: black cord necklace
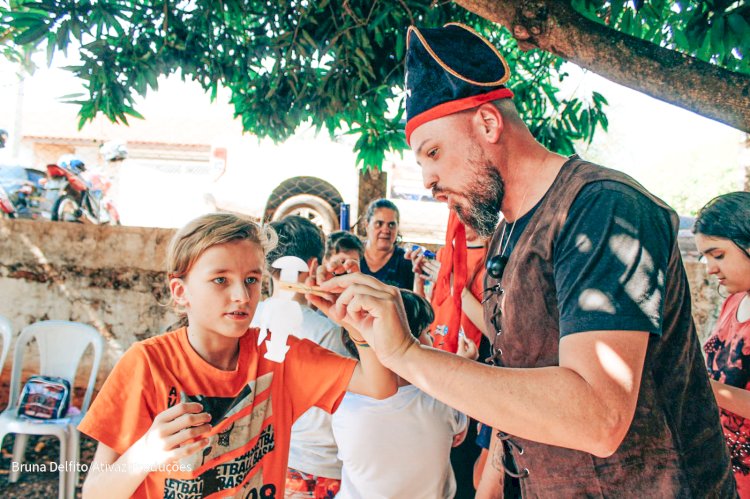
496 265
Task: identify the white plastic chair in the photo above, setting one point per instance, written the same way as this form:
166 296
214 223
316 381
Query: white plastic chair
61 345
6 332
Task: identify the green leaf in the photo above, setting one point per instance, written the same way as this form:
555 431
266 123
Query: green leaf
72 96
32 35
50 48
717 35
739 25
132 112
276 81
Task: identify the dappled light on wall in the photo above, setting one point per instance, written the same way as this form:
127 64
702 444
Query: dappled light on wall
115 348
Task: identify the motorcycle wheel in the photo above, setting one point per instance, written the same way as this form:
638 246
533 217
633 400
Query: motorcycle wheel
66 209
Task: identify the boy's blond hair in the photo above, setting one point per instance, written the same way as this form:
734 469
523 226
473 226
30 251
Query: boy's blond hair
189 243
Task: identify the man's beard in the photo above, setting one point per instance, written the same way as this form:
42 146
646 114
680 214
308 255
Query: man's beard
485 197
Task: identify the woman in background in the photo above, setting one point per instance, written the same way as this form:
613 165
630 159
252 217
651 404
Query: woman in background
722 235
383 259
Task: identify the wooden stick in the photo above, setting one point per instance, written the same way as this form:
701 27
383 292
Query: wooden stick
298 287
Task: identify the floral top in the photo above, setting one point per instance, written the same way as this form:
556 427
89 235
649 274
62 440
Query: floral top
728 361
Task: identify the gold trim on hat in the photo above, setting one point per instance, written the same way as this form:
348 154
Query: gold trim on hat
450 70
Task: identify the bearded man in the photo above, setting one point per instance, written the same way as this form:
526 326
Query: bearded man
598 387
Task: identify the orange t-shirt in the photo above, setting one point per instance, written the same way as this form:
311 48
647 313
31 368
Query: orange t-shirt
252 409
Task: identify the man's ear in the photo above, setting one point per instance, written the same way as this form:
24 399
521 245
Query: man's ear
177 288
488 122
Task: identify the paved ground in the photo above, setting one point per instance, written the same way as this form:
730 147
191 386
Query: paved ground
40 450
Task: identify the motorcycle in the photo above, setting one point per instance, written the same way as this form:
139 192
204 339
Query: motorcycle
22 193
6 206
74 199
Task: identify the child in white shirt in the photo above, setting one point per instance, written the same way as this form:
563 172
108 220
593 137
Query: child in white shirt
399 446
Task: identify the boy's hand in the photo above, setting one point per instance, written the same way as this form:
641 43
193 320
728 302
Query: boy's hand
165 442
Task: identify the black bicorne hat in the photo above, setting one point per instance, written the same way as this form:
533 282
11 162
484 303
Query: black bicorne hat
448 70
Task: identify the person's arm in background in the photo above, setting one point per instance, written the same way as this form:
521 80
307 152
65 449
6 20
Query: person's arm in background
473 310
466 347
419 286
732 399
470 303
489 475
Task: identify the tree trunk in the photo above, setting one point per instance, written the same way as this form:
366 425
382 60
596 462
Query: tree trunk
555 27
372 186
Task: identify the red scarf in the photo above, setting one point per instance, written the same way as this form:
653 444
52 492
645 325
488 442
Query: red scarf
448 308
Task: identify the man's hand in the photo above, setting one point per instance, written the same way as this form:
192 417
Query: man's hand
372 308
337 267
168 439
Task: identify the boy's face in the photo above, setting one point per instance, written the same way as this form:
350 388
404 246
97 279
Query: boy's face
221 290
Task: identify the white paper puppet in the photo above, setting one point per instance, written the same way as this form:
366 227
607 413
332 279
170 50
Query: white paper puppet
281 315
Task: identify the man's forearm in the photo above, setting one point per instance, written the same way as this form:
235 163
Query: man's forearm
552 405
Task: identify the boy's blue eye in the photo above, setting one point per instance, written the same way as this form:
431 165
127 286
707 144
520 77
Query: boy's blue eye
220 280
251 280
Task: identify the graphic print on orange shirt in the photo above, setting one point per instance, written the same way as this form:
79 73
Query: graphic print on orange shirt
241 436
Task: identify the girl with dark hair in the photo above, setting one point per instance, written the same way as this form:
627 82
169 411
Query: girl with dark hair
722 235
383 259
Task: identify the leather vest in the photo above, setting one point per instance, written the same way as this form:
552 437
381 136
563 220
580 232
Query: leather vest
675 446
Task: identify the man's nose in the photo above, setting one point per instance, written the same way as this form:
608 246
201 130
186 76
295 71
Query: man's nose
429 178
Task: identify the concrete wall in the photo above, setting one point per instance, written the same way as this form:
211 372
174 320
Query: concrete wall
113 279
109 277
706 298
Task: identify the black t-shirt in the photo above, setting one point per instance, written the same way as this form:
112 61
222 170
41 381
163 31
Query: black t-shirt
396 272
610 260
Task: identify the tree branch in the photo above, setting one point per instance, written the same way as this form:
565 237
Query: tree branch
554 26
